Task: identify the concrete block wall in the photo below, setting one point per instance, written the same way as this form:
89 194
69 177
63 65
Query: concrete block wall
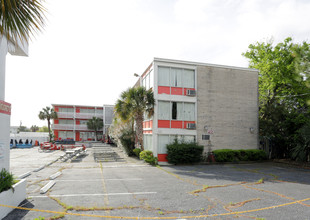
227 107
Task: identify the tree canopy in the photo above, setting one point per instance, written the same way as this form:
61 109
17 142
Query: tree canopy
284 91
48 113
21 19
95 124
132 105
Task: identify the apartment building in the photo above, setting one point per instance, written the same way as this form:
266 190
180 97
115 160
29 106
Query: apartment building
72 121
214 105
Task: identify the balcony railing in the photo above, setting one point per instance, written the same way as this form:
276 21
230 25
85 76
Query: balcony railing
70 127
65 114
78 115
81 127
63 126
87 115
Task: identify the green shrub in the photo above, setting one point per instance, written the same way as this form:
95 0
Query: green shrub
6 180
243 156
137 151
228 155
148 157
224 155
126 139
180 153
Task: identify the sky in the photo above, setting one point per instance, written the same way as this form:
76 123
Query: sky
88 52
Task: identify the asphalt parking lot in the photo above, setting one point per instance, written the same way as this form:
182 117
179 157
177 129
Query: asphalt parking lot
122 187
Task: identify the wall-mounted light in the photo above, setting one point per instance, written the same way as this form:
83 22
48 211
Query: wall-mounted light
252 130
205 127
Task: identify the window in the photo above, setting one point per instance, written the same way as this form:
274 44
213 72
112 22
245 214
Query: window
83 122
151 79
163 110
99 111
148 80
147 142
189 111
176 77
163 76
86 110
65 109
163 140
205 137
188 77
179 111
63 121
65 134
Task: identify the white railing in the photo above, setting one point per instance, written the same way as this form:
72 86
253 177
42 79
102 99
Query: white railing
65 114
87 115
78 115
81 127
63 126
70 127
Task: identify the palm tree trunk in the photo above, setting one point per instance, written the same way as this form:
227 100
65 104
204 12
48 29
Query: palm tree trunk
139 128
49 129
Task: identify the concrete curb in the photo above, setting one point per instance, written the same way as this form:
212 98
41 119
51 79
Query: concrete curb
49 185
38 169
24 175
55 175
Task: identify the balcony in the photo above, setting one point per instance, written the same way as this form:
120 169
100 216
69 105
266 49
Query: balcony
81 127
78 115
65 114
63 126
71 127
87 115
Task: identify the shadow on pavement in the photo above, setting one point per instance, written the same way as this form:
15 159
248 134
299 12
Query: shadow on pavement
19 213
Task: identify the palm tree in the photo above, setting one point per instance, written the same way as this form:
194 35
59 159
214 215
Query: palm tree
21 19
95 124
48 114
132 104
34 128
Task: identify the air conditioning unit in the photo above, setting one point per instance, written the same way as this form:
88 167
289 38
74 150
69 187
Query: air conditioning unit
190 92
191 126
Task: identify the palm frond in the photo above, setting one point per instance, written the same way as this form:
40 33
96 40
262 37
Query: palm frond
21 19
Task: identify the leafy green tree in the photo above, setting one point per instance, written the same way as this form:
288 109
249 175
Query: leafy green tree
132 105
21 19
34 128
43 129
48 113
95 124
22 129
301 151
283 90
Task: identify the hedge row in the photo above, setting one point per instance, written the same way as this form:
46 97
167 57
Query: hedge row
181 153
228 155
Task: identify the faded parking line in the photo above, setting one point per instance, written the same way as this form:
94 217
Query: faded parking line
97 194
92 180
95 180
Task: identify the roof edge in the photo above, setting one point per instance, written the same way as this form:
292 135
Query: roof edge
202 64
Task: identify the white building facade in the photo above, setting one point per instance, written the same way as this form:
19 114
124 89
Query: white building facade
18 49
72 121
216 106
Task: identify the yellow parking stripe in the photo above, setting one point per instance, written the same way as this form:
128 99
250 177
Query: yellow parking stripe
127 217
